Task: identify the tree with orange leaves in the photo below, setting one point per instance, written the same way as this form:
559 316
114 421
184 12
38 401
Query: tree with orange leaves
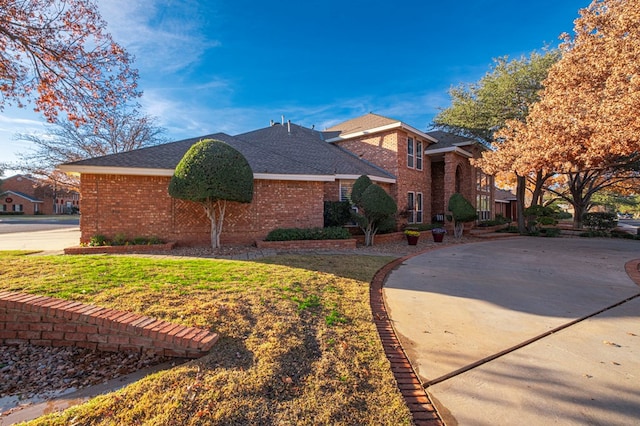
585 126
505 93
58 54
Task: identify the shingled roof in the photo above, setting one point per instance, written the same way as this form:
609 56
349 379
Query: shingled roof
278 151
368 123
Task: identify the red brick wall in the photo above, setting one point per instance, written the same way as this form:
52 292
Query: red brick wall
389 151
141 206
438 205
46 321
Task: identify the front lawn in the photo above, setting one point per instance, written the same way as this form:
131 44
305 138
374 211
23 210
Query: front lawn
297 344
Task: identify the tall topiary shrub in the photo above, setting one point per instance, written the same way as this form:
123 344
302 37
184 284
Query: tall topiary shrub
212 173
374 205
461 211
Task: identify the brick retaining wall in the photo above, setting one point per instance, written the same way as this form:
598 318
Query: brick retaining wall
47 321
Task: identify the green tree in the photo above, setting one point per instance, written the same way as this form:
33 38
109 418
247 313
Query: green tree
375 207
461 211
505 93
212 173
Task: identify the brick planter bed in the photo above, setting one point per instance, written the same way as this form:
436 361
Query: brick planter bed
133 248
47 321
308 244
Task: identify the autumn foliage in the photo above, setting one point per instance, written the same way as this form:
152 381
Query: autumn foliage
585 125
58 54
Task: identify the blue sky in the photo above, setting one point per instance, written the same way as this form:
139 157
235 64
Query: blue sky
231 66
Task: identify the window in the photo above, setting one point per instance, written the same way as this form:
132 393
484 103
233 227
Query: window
483 208
414 207
410 153
345 190
3 208
411 201
418 155
17 207
483 199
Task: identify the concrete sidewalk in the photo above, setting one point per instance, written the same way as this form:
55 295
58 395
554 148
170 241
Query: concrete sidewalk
460 306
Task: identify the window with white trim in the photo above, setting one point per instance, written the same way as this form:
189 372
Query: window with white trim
17 207
418 155
410 153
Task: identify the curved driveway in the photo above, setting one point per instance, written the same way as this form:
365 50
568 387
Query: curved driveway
523 330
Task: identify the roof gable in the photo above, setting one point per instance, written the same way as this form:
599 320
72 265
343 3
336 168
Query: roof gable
369 124
359 124
22 195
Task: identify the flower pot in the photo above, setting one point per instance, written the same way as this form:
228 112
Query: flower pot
412 240
438 238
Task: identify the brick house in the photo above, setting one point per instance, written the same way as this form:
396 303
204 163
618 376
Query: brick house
295 170
24 193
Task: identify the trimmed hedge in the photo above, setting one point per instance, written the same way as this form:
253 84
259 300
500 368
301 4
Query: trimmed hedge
294 234
600 221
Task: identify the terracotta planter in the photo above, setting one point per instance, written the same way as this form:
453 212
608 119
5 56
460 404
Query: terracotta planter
438 237
412 240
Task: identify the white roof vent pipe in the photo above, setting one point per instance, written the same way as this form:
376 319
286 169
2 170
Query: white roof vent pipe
289 126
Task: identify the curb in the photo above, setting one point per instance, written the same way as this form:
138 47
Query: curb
423 411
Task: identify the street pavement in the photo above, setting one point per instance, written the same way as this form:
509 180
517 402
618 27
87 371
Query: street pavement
48 235
523 330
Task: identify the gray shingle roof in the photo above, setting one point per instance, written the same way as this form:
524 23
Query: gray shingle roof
21 194
272 150
303 151
165 156
447 140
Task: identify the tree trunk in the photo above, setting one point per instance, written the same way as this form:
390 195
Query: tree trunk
458 229
520 195
215 212
578 211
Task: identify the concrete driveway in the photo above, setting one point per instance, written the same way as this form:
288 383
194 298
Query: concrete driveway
523 330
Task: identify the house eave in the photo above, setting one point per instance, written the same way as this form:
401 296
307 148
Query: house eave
398 125
457 150
373 178
139 171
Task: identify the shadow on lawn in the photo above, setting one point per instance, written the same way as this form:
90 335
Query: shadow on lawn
357 267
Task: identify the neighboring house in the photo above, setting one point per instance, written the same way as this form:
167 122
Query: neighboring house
24 193
295 170
506 204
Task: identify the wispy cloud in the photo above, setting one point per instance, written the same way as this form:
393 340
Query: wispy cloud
156 32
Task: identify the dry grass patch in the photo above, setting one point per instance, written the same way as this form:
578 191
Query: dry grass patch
297 342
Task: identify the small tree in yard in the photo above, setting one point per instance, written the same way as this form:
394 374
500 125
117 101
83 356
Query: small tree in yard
212 173
375 207
461 211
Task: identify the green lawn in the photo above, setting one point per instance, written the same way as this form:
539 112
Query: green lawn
298 345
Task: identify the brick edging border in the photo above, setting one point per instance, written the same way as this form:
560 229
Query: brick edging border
422 409
48 321
632 268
